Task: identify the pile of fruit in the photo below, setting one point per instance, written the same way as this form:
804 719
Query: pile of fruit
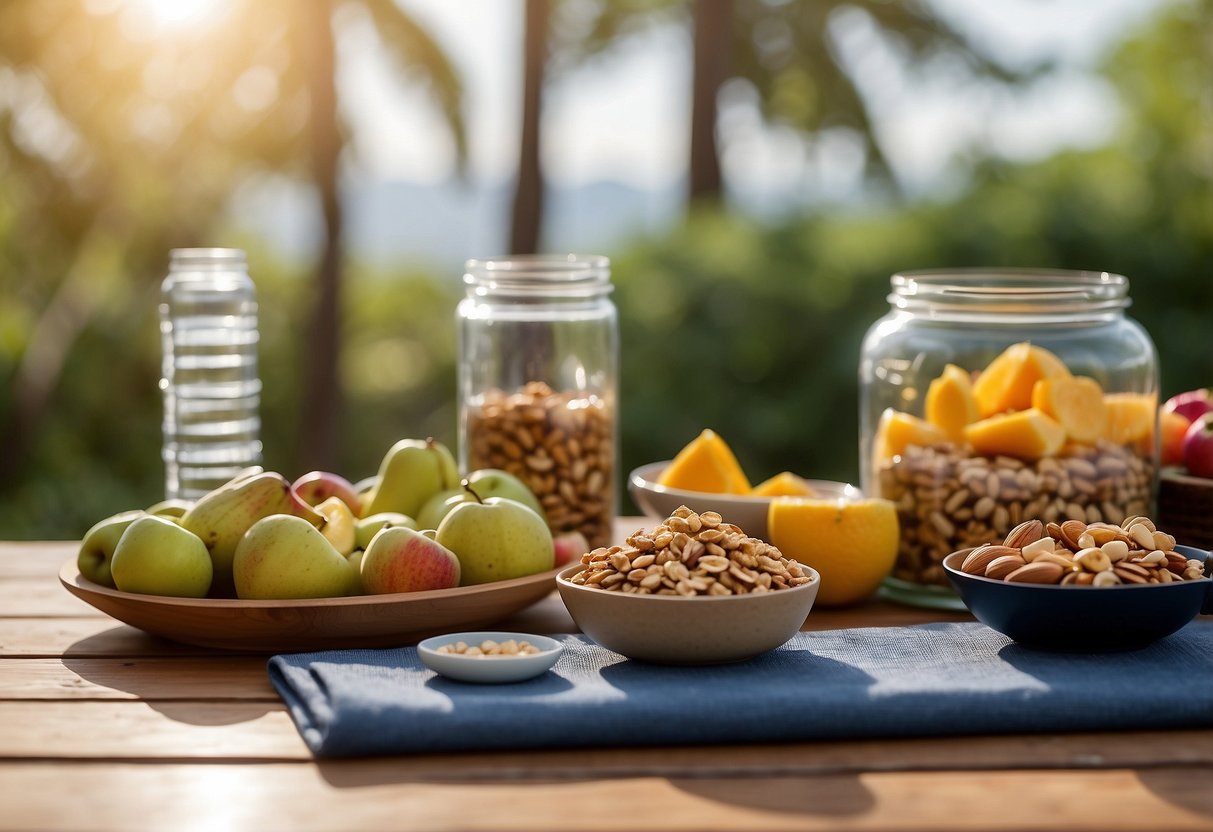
416 525
1186 427
708 464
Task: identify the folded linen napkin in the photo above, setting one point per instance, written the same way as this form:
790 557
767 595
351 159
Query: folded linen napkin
929 679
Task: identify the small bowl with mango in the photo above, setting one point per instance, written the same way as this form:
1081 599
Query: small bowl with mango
830 526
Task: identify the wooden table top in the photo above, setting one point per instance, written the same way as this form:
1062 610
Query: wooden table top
105 727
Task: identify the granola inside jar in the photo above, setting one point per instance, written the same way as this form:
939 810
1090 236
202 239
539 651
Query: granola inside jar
992 397
538 358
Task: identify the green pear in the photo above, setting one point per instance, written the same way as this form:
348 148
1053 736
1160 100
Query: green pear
412 471
496 539
221 517
97 546
354 559
366 527
283 557
157 557
172 509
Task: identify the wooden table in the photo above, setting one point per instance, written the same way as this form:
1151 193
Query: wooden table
104 727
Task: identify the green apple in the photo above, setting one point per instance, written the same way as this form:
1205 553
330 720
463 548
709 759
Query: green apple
436 507
412 471
488 482
97 546
494 482
400 559
155 556
496 539
283 556
366 527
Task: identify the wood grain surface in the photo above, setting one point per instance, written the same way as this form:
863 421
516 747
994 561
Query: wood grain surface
105 727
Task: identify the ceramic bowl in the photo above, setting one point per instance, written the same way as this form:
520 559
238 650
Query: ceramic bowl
703 629
749 513
489 669
1083 618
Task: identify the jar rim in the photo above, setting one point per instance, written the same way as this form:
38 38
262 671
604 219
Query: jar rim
1009 290
194 257
539 275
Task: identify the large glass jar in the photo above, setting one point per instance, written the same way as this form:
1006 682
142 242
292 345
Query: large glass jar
1062 426
538 366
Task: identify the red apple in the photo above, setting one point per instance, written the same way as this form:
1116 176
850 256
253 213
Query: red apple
1198 447
317 486
400 559
569 547
1190 405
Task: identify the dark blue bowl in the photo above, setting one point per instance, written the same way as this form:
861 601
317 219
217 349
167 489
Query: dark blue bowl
1083 618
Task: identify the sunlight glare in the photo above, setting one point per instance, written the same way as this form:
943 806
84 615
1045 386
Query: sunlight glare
181 12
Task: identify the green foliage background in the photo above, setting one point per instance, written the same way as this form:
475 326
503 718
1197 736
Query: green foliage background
753 330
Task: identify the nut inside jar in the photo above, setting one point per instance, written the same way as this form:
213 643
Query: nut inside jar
560 443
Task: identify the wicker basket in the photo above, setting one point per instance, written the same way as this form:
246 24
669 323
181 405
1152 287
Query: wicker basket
1185 508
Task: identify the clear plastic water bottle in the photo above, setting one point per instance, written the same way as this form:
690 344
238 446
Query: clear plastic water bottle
212 391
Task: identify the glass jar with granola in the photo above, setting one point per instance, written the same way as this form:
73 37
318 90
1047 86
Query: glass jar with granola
537 375
989 397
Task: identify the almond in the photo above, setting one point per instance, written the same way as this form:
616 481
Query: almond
1058 558
1138 520
999 568
1029 531
1105 579
1036 573
1116 550
1071 530
1163 541
981 557
1129 577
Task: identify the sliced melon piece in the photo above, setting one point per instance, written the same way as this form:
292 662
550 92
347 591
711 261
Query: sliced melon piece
950 404
1006 384
1025 434
706 464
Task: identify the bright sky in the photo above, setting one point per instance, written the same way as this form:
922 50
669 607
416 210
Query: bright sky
625 117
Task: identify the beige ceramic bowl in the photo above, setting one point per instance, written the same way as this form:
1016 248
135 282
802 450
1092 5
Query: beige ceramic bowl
666 629
749 513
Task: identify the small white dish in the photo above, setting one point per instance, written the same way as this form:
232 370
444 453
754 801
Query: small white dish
489 669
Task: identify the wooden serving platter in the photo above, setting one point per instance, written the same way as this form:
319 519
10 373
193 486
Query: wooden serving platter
320 624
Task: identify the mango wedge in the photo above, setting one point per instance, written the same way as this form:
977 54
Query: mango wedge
1027 434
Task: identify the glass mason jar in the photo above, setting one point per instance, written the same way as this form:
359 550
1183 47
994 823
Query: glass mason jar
538 383
966 458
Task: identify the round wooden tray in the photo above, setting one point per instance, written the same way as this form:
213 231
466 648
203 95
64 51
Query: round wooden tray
321 624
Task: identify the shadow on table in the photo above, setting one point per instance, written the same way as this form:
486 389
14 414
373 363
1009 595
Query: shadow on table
1187 788
165 676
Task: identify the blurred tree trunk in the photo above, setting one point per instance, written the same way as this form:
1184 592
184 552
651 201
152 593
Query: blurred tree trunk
322 392
712 41
528 194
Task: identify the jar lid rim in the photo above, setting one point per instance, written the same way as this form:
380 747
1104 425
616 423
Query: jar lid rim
1027 289
533 275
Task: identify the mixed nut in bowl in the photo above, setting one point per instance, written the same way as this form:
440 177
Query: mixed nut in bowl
1084 586
692 590
747 511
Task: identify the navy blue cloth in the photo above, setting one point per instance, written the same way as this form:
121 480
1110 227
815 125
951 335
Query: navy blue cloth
931 679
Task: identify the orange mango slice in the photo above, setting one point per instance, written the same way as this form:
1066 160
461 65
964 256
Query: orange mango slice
1130 417
1006 384
706 464
1076 402
897 431
950 403
1026 434
784 484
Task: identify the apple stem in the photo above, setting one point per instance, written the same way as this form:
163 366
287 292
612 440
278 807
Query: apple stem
467 486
